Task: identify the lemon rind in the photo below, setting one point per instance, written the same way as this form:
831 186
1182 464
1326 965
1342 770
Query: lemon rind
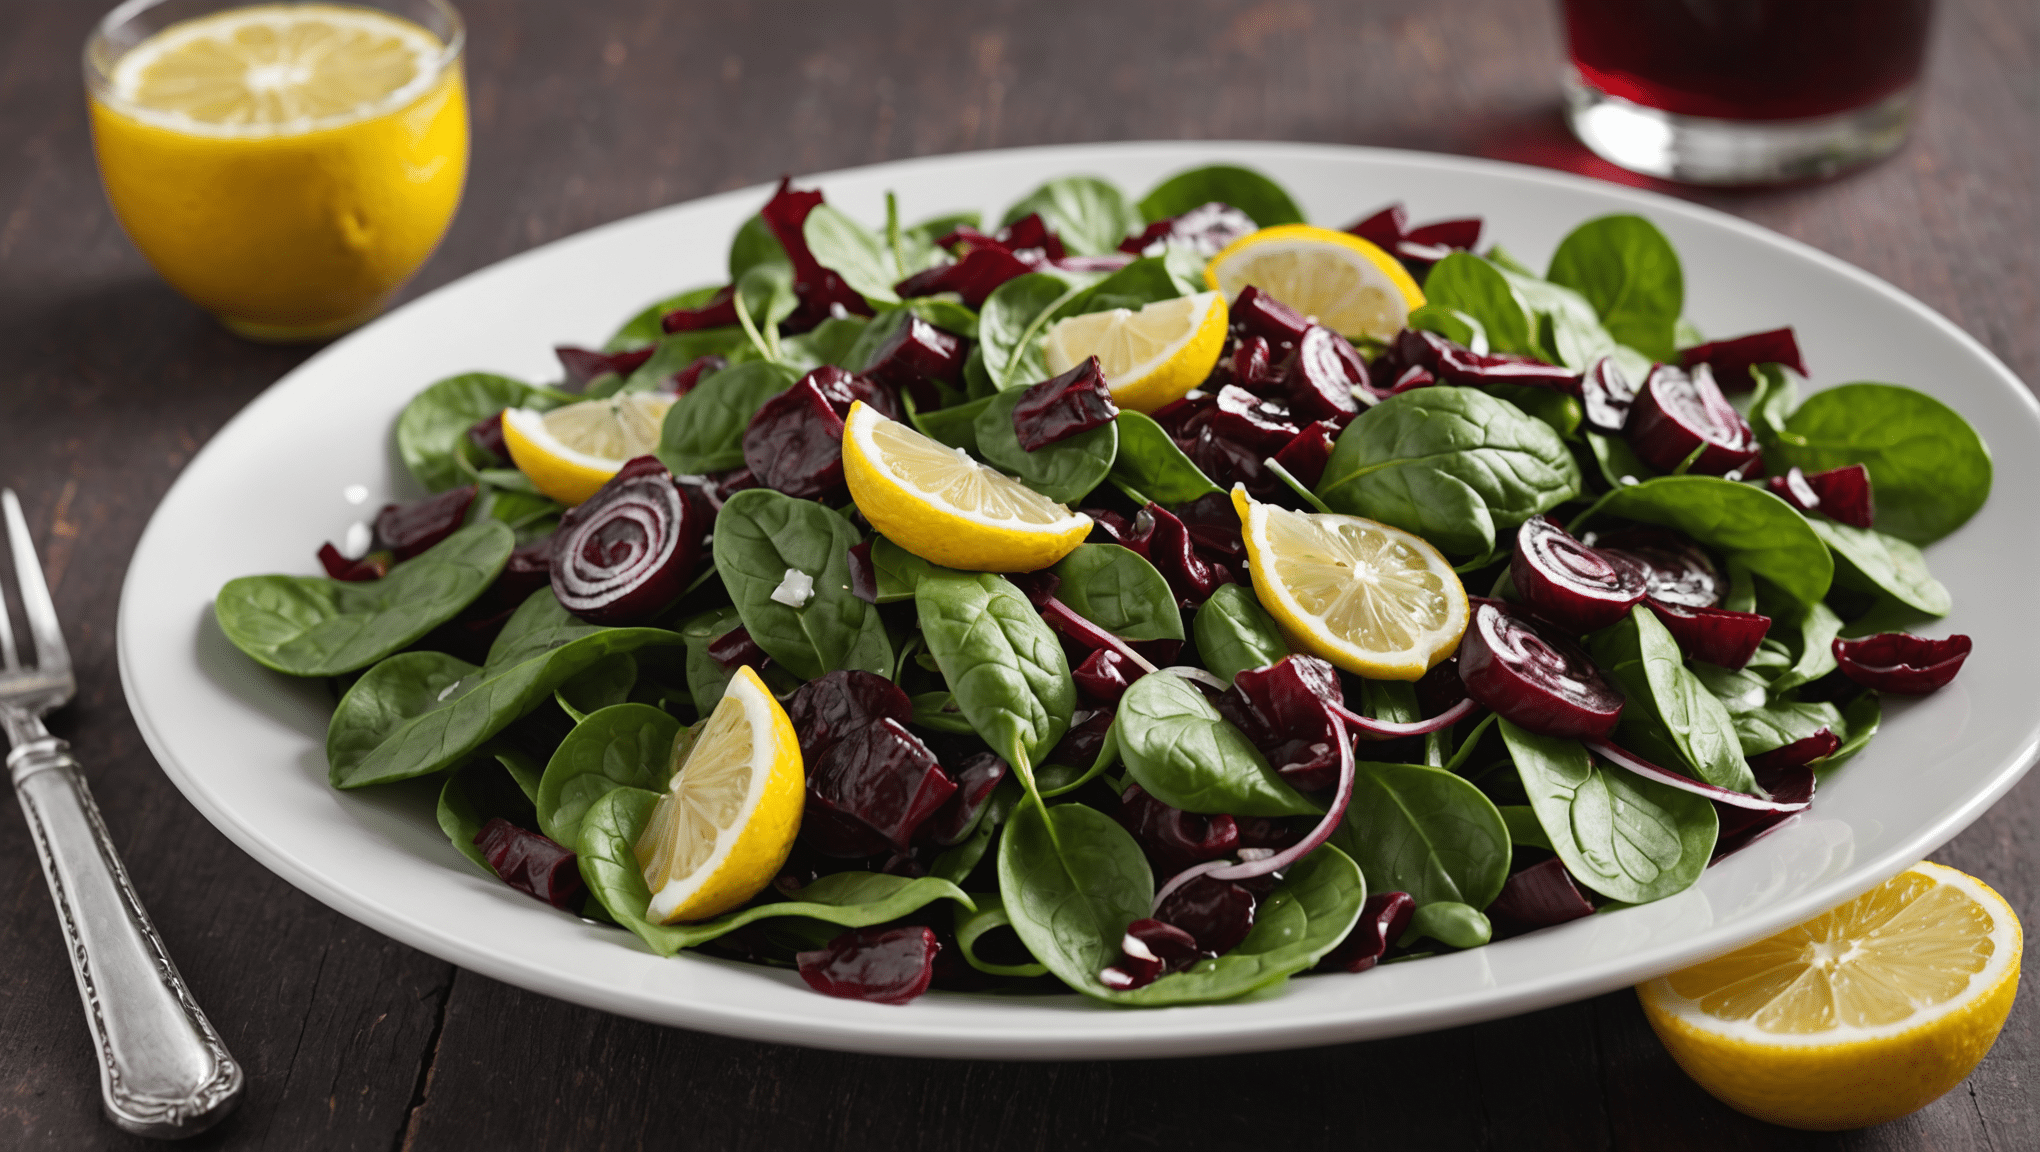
758 711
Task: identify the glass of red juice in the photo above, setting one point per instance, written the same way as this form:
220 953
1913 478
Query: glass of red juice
1744 91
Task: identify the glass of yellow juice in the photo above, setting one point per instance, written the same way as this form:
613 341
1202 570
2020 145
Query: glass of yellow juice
285 166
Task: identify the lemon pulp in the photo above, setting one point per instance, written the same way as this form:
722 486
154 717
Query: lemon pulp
1149 358
1345 283
569 453
286 167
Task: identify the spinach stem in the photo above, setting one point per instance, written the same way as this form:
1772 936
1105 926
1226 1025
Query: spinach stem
1295 485
892 232
769 351
1465 751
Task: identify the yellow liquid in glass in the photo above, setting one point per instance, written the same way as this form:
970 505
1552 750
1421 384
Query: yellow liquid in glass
286 167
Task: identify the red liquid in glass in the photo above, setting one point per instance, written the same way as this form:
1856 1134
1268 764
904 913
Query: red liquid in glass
1749 59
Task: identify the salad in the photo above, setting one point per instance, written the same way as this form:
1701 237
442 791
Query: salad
1155 599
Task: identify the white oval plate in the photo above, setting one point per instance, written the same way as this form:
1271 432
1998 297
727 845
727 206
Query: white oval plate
313 454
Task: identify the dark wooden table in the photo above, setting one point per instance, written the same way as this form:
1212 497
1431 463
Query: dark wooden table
585 113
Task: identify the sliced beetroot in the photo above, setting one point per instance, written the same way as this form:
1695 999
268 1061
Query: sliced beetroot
1282 709
1901 662
794 442
1148 951
1031 231
1104 676
1171 838
1841 493
819 290
1677 412
916 355
884 777
974 276
1440 689
373 566
1606 395
863 573
882 965
1676 570
404 530
1383 919
1063 406
1460 234
1170 549
1255 313
1534 678
1385 229
826 709
1539 896
530 863
682 382
1181 418
1714 635
1111 527
1457 364
1204 230
1039 586
975 778
1218 914
1318 377
629 550
1797 754
719 312
487 435
1731 360
1791 785
1080 746
1251 366
1214 525
1306 454
585 364
735 649
1567 582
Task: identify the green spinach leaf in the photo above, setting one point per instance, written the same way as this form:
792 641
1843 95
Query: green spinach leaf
607 682
1668 716
432 426
1064 471
622 746
1234 633
1761 724
1744 522
753 245
706 679
645 327
761 535
1119 591
1091 215
475 793
704 430
1002 661
1426 832
955 425
853 252
681 349
1013 319
1871 561
971 927
1071 880
1150 463
1175 745
1929 470
1630 273
1243 188
1468 284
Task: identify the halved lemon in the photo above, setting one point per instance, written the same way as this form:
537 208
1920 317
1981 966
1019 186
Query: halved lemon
1375 600
727 821
278 67
1150 357
570 452
1858 1016
941 505
1344 282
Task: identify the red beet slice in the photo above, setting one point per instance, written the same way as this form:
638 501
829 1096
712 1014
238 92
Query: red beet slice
1731 360
719 312
1901 662
1105 675
1606 394
1218 914
974 277
1541 681
1740 827
629 550
487 435
1063 406
1383 920
1714 635
1148 951
975 780
373 566
1797 754
683 381
1457 364
914 355
1460 234
530 863
1385 229
1171 838
1318 377
884 777
820 290
1307 453
1031 231
585 364
882 965
826 709
1676 413
1282 710
1841 493
1539 896
1251 368
1170 549
1677 570
863 573
408 529
1567 582
1255 313
735 649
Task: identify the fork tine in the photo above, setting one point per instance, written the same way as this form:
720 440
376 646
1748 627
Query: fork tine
51 654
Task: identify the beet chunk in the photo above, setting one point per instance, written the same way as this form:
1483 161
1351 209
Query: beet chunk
1732 360
735 649
974 277
1255 313
628 550
1059 408
1841 493
373 566
1104 676
1148 951
1218 914
487 435
1170 550
720 311
1677 413
1383 920
1606 395
1714 635
794 442
1171 838
1535 677
1676 570
827 709
1539 896
585 364
1284 709
408 529
915 354
683 381
1318 377
530 863
1901 662
884 777
1205 230
1305 456
819 289
882 965
976 778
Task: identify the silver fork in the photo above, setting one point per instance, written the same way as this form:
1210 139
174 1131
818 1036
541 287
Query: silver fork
163 1071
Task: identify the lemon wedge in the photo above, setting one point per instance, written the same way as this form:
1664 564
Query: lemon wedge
1150 357
941 505
1858 1016
277 68
570 452
725 824
1344 282
1374 600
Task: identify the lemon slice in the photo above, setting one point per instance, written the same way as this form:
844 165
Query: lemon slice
1345 283
941 505
726 823
275 69
1150 357
1858 1016
570 452
1375 600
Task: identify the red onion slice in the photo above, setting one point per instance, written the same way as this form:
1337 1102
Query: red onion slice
629 550
1368 728
1685 783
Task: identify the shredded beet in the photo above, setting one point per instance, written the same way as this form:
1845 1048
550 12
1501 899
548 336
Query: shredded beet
1383 919
1570 584
1901 662
1714 635
1731 360
373 566
1535 678
530 863
405 530
629 550
914 358
826 709
719 312
1539 896
1842 493
1064 406
735 649
585 364
1318 377
1148 951
1677 571
819 289
487 435
1606 394
1677 413
881 776
975 778
1174 839
1170 550
882 965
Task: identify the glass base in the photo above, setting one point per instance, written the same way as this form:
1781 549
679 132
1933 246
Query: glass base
1699 150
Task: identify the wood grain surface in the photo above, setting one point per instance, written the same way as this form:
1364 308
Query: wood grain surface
587 112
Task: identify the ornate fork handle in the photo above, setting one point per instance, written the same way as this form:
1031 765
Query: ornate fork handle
163 1071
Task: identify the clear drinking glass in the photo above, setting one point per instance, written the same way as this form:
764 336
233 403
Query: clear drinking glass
1744 91
286 167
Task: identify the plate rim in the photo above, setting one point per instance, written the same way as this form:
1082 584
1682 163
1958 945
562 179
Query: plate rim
1047 1039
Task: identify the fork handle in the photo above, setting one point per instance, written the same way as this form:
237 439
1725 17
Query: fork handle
163 1071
